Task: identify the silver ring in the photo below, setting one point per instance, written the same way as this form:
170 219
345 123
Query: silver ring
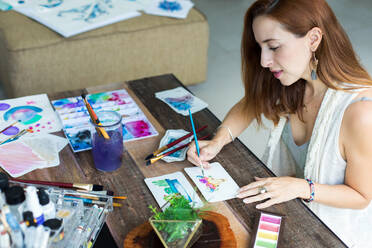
262 190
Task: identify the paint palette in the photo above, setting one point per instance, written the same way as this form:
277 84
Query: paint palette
75 117
269 226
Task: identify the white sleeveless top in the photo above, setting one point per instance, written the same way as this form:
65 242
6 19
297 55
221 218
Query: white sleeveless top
325 165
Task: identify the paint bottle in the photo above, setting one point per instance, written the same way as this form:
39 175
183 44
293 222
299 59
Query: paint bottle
4 183
47 206
55 225
28 218
15 198
33 204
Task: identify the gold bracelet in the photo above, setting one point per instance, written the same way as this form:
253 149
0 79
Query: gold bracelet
228 129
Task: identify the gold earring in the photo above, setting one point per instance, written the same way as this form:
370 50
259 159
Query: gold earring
314 61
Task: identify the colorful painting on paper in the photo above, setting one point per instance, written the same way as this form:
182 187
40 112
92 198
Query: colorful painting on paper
31 112
181 101
170 8
71 17
216 184
170 136
172 183
18 159
76 121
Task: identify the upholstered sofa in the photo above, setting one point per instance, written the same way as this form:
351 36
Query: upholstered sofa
35 59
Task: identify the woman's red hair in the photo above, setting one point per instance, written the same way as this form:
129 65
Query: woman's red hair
337 59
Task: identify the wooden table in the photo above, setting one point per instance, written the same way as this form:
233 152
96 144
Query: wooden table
301 229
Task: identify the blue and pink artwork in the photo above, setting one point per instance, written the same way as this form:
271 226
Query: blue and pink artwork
181 100
31 112
172 183
76 121
170 136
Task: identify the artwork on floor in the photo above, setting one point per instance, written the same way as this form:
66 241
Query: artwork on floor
172 183
170 136
216 184
175 8
75 118
71 17
181 100
30 112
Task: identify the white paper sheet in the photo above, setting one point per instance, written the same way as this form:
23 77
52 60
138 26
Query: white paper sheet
217 185
180 100
172 183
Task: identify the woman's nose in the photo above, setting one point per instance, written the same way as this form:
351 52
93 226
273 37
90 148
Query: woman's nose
266 59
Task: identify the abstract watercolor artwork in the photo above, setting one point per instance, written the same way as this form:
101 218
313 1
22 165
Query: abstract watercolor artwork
172 183
71 17
170 8
31 112
181 100
75 118
216 184
170 136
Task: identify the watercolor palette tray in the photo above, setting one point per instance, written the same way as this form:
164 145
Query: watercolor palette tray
268 230
75 117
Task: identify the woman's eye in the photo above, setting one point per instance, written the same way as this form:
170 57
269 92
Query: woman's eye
274 48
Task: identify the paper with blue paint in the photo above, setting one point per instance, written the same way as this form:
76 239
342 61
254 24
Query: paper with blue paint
172 183
71 17
181 100
32 112
170 136
169 8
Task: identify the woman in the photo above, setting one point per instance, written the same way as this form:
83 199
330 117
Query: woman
299 70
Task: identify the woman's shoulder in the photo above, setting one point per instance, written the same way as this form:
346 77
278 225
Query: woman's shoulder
358 115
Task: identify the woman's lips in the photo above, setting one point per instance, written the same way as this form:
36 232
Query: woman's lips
277 74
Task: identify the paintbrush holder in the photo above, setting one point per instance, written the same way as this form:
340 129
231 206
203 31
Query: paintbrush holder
177 233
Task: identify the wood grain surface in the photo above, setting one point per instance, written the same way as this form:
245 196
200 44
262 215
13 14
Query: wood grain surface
302 228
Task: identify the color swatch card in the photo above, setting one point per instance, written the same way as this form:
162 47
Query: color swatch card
269 227
181 100
170 8
71 17
30 112
172 183
216 184
76 121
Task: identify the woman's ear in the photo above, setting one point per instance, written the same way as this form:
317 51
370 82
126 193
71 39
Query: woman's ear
315 37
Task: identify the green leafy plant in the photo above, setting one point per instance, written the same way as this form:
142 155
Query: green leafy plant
177 220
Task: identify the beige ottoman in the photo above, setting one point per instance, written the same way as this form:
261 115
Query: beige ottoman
35 59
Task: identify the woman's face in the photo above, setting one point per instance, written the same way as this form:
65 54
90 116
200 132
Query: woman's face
284 54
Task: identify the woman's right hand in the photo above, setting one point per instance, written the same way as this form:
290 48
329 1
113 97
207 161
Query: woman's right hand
208 149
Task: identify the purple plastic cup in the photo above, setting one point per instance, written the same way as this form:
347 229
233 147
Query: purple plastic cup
107 153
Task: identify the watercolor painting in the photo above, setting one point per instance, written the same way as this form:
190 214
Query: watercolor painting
216 184
181 100
76 121
169 8
211 183
18 159
31 112
170 136
71 17
172 183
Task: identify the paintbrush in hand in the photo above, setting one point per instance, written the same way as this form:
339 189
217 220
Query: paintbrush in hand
196 142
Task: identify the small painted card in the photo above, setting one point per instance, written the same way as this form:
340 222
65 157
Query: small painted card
181 100
171 8
75 118
216 185
30 112
172 183
170 136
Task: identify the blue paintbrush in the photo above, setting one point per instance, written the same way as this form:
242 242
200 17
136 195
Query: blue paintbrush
196 142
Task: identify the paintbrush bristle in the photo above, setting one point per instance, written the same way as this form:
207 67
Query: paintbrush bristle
149 156
148 162
83 96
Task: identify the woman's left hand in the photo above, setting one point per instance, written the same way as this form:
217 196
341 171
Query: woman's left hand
273 189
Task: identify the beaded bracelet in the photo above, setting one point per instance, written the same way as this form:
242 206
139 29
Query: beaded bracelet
312 191
228 129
